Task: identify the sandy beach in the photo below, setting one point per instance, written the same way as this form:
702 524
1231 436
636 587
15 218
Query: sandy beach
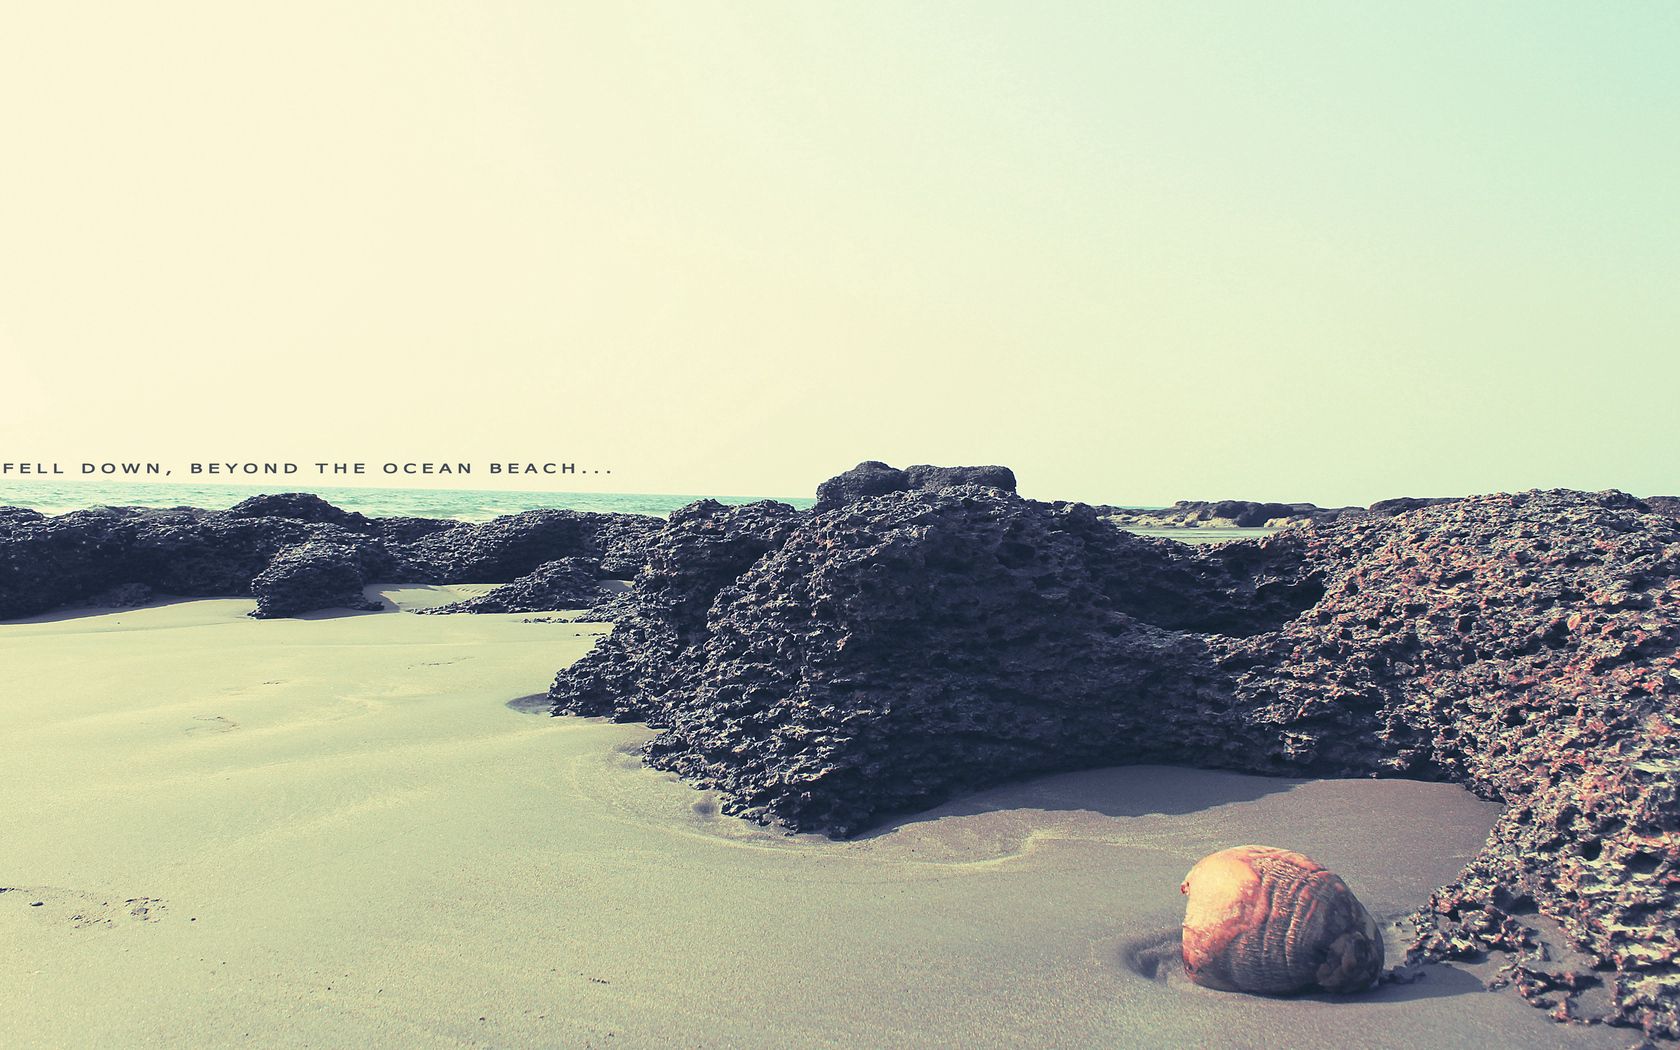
336 831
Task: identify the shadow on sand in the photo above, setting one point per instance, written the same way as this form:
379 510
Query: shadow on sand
77 612
1116 791
535 704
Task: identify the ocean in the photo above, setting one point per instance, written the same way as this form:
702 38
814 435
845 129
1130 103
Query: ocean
461 504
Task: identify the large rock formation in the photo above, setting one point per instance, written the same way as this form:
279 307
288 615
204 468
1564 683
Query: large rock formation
904 646
1246 514
50 562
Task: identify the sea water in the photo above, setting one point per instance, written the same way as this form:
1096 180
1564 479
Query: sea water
51 497
463 504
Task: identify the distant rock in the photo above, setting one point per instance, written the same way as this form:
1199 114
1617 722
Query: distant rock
565 583
1226 514
300 506
869 478
1402 504
511 546
311 576
982 632
703 548
1669 505
49 562
873 478
925 478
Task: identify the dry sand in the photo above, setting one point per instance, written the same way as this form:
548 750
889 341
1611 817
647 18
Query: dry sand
335 832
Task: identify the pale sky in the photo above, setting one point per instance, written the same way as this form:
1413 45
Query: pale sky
1138 252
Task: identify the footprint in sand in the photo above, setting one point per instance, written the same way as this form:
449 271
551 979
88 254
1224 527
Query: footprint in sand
81 910
213 724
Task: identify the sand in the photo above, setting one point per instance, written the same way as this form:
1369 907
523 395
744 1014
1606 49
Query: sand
337 832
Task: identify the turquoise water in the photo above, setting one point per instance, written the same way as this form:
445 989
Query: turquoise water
463 504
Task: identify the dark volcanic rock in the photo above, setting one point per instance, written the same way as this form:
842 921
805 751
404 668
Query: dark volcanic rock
965 631
1525 646
49 562
311 576
624 540
869 478
396 532
902 647
913 645
1669 505
565 583
123 596
1402 504
511 546
873 478
927 478
703 548
1229 513
218 554
1248 515
302 506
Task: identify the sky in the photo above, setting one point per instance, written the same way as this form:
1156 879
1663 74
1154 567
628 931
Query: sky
1137 252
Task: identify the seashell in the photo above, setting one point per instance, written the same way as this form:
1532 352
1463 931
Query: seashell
1271 921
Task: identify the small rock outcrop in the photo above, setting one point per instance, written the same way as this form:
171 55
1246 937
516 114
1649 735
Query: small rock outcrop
565 583
299 506
874 478
1386 508
1669 505
311 576
511 546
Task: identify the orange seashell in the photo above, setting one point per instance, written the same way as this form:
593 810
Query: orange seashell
1268 920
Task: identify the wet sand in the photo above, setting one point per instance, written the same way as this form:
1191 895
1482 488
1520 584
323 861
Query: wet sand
338 832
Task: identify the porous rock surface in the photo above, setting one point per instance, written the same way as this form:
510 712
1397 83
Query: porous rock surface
564 583
310 576
1228 513
299 506
701 549
1247 514
1669 505
874 478
50 562
904 646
